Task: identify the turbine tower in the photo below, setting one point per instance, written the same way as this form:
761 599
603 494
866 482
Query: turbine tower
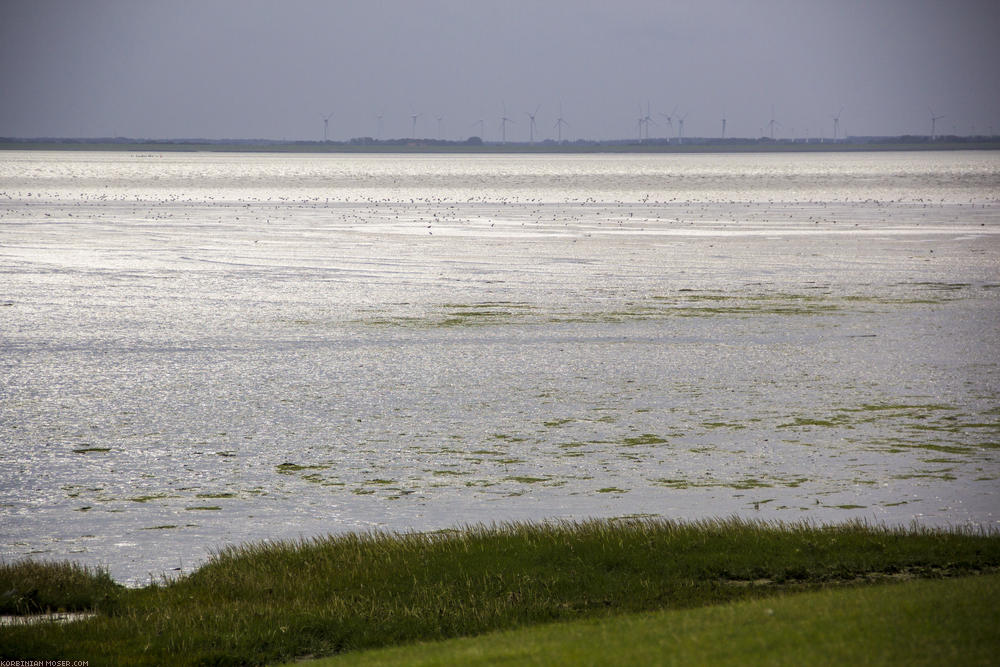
560 121
934 120
439 119
482 128
414 117
670 121
772 123
680 129
723 124
644 121
378 126
326 125
503 125
531 123
836 124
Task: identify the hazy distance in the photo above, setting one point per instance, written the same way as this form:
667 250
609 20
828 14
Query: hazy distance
260 69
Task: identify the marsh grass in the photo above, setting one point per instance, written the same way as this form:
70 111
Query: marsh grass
266 602
31 587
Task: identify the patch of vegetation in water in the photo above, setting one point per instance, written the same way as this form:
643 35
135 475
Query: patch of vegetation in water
87 450
508 438
321 480
898 407
462 315
749 483
733 426
644 439
198 508
146 499
289 468
798 422
681 304
744 484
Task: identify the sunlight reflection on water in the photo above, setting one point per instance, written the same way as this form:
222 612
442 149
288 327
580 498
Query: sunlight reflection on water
205 349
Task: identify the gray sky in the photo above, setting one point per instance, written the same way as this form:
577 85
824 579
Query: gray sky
270 69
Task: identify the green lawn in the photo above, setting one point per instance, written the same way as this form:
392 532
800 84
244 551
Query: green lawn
925 622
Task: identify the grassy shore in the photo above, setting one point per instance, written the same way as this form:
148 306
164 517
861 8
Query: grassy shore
264 603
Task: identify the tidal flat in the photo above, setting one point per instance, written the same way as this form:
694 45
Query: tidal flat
200 350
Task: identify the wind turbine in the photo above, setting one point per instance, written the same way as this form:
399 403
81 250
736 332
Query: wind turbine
645 121
836 123
934 120
503 125
440 119
670 120
378 117
680 129
482 128
414 117
326 124
531 123
560 121
772 123
723 124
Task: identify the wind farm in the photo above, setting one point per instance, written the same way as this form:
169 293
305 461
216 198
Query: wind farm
543 134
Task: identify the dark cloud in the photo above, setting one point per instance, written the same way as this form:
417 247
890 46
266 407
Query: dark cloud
245 68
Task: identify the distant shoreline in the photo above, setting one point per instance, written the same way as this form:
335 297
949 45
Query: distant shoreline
476 146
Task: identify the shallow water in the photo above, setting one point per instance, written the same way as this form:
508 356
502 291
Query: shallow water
203 349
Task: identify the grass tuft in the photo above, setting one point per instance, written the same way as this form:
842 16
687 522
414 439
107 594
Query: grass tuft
36 587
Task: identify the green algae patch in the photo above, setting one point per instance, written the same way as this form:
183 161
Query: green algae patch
288 468
146 499
526 479
798 422
644 439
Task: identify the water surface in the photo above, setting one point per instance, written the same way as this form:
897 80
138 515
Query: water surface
202 349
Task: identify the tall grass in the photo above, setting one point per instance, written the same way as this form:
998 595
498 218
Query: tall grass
270 601
29 587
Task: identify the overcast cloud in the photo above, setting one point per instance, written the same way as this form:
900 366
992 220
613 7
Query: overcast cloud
269 69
